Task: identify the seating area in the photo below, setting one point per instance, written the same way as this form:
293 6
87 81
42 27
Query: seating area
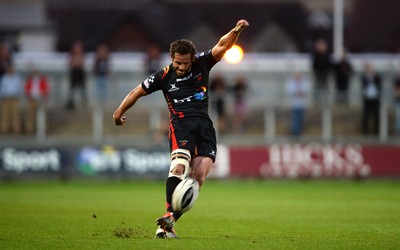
267 118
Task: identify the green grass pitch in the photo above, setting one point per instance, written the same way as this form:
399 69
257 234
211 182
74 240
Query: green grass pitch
233 214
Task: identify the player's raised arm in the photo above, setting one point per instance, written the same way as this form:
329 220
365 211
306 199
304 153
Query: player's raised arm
128 102
228 40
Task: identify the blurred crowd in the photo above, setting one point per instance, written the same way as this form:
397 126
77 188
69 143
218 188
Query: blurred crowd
303 94
325 64
21 97
14 89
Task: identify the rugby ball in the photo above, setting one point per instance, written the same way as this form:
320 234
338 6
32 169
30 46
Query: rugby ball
185 195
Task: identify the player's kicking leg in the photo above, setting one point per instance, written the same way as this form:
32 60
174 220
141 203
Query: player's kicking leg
201 167
179 170
166 226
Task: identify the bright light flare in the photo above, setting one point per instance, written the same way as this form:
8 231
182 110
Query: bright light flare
234 55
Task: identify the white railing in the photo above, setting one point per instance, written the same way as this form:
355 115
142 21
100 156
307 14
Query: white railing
266 74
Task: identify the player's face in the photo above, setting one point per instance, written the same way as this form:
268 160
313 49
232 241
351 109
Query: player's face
181 63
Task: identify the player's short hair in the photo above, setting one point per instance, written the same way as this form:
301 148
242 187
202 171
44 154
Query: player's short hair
182 47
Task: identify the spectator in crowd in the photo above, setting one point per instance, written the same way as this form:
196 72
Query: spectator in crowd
153 60
218 93
321 66
297 90
397 103
77 74
371 91
36 92
343 72
152 63
11 90
240 109
5 59
101 71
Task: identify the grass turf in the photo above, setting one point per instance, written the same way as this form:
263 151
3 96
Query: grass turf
228 215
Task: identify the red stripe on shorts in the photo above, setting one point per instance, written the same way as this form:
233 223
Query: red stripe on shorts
173 137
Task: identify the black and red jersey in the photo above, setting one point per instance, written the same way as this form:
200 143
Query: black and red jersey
186 96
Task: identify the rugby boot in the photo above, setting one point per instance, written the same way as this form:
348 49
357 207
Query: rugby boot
166 226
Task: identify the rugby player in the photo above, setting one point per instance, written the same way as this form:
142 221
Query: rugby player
192 138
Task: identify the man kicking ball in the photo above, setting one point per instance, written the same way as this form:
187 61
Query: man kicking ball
192 139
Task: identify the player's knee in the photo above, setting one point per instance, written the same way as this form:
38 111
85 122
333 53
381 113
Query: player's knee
179 169
180 163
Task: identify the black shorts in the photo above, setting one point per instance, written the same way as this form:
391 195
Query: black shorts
195 134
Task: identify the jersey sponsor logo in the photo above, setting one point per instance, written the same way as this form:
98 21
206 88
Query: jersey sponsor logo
198 77
199 95
186 99
184 78
183 142
151 78
173 88
148 81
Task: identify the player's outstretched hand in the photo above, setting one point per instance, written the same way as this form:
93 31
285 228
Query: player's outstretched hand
119 121
241 25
